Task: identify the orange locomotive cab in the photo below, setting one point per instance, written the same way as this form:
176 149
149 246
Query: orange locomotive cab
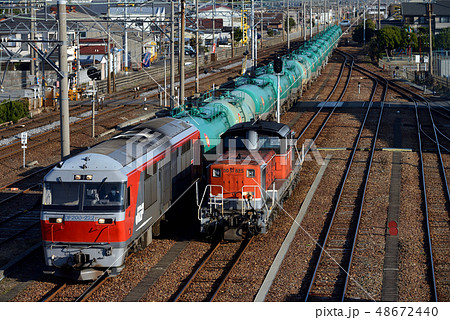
247 181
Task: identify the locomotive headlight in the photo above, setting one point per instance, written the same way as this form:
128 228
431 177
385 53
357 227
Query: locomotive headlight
216 172
89 177
105 221
55 220
77 177
250 173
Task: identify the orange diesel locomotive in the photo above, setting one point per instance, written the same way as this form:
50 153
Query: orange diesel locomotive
255 173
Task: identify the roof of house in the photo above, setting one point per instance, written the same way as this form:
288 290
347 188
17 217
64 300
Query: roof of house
209 8
416 9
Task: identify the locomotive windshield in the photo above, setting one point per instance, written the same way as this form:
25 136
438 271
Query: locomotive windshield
89 196
264 142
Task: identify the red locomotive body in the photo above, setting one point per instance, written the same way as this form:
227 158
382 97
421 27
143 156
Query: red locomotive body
247 182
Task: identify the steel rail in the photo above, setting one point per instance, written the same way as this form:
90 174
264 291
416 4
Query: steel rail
246 245
194 275
365 182
326 100
333 215
334 108
54 293
414 97
92 288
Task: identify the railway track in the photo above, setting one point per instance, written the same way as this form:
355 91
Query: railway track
330 276
69 292
208 278
435 193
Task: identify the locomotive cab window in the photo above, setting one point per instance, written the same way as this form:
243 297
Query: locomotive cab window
100 196
63 195
89 196
250 173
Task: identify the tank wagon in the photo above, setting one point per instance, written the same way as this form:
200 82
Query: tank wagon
255 97
106 200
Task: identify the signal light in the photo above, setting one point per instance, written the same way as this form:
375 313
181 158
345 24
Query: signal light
277 65
393 228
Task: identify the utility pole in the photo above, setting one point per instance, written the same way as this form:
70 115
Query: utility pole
310 19
172 54
261 21
32 38
182 54
63 81
287 27
108 50
232 28
379 15
430 59
304 20
214 25
125 39
339 12
253 32
197 68
364 25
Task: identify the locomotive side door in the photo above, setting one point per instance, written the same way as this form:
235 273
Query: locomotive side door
166 186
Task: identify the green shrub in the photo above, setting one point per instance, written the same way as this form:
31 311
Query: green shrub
13 110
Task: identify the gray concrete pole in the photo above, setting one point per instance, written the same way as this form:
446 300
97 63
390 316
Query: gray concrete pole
304 21
310 20
172 55
430 59
232 29
182 54
197 67
261 21
125 40
287 27
379 15
32 38
108 51
63 81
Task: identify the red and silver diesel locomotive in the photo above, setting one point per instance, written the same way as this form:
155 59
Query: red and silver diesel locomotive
100 203
256 171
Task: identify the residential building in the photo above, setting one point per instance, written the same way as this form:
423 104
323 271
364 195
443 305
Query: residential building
416 15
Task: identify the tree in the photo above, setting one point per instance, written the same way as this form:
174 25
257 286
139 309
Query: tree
237 34
443 39
389 38
291 23
358 32
408 39
423 37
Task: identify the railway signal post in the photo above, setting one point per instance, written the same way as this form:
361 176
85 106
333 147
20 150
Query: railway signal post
24 140
278 68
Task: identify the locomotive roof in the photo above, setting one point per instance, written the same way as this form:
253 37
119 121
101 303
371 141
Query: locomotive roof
269 128
146 137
